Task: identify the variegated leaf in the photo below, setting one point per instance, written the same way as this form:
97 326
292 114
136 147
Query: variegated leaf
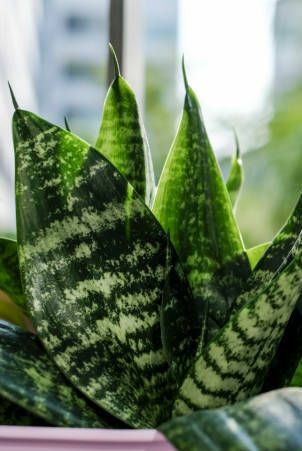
233 366
94 291
30 379
193 204
276 256
122 138
268 422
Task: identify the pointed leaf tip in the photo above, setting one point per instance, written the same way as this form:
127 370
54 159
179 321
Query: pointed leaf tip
66 124
115 61
184 73
15 103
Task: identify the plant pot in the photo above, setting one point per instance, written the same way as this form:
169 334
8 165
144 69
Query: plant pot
19 438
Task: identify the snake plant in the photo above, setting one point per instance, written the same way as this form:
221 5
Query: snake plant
144 309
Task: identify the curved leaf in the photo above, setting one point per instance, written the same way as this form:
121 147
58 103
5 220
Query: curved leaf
233 366
29 379
193 204
10 281
94 291
268 422
235 178
122 138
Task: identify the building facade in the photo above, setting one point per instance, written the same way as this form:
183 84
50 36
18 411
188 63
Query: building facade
19 61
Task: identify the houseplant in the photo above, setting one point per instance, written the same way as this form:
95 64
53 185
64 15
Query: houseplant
144 317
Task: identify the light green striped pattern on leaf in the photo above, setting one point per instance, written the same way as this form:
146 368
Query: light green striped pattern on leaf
233 366
31 380
94 291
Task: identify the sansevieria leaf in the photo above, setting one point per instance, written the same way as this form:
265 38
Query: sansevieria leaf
10 281
122 138
193 204
234 364
30 379
268 422
235 178
290 349
94 291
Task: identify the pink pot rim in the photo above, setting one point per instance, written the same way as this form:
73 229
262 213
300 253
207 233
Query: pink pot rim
65 439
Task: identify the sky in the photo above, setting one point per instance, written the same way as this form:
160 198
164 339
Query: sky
228 48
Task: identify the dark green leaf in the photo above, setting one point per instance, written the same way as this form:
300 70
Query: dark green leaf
174 327
13 415
29 379
297 378
268 422
122 138
234 364
193 204
94 291
10 281
235 178
288 355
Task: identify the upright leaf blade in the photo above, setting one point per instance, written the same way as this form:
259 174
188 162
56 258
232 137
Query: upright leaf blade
29 379
268 422
233 366
122 138
235 178
103 327
193 204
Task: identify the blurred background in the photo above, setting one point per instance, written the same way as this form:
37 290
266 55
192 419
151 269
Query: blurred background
243 59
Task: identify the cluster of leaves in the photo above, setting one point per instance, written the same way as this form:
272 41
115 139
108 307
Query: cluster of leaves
145 306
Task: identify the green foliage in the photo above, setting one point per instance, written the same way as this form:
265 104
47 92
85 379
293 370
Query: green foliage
193 204
33 382
143 318
106 312
122 137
